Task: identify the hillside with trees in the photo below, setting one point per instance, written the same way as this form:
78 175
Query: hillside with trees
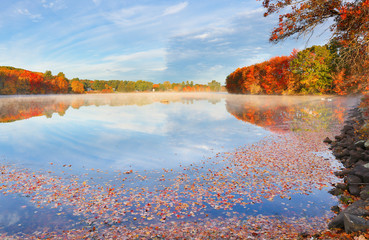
15 81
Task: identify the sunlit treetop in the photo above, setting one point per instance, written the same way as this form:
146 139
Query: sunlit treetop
349 26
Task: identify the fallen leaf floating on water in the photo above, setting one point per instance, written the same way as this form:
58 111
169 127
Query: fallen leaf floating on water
278 166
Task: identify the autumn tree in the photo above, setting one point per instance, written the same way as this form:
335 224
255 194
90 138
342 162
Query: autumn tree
48 75
121 86
213 85
312 70
126 86
274 75
250 80
177 87
107 89
60 83
167 85
235 80
36 81
98 85
77 86
142 86
113 84
269 77
87 84
348 24
8 82
156 87
130 86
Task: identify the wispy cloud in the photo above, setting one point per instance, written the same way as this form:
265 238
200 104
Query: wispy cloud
160 69
97 2
26 12
255 58
175 9
217 49
154 53
141 15
251 12
133 16
144 39
202 36
56 4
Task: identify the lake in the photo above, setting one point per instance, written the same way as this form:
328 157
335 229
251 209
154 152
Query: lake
125 164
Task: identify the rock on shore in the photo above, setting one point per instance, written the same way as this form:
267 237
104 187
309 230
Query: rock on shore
351 147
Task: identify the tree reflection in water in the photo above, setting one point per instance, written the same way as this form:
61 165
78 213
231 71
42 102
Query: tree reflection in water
282 114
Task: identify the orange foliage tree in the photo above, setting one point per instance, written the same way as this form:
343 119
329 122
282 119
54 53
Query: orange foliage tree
348 22
269 77
77 86
311 71
20 81
59 84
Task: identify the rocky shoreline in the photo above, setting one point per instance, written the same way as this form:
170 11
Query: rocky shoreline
351 147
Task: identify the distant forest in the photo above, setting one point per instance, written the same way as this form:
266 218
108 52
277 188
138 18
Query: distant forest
19 81
315 70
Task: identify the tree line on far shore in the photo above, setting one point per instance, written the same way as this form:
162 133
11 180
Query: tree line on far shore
19 81
315 70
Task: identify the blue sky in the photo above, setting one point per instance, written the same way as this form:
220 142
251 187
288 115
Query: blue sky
153 40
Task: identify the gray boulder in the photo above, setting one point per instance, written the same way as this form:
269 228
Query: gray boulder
357 209
364 193
337 222
342 173
362 172
360 144
354 223
354 190
352 179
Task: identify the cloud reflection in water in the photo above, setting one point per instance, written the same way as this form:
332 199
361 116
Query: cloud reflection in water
121 131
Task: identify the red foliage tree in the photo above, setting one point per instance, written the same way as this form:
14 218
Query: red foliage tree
269 77
348 24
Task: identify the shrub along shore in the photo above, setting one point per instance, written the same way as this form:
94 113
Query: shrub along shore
351 148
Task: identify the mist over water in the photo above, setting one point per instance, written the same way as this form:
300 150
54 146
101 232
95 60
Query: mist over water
117 132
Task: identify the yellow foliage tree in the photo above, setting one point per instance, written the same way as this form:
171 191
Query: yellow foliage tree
77 87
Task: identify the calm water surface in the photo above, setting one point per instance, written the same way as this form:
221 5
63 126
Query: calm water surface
149 132
119 132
